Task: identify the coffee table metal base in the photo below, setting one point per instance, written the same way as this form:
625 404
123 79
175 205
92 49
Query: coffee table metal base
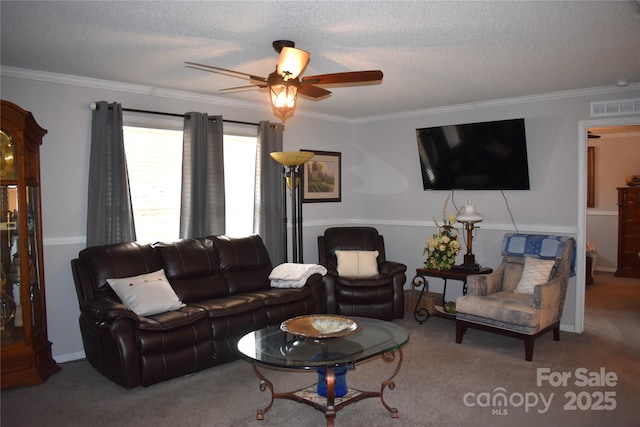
331 405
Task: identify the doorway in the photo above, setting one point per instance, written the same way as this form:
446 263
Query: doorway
584 127
613 154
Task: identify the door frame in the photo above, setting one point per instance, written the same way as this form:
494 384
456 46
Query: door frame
581 240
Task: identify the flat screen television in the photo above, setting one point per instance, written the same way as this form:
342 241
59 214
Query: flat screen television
474 156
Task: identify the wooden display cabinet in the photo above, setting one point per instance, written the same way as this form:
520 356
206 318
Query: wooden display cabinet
25 349
628 232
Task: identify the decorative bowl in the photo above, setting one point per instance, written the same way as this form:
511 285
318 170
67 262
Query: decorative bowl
320 326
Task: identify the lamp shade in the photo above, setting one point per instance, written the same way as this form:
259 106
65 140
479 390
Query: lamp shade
292 158
292 62
469 214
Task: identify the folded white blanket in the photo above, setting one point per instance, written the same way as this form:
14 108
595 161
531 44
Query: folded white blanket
291 275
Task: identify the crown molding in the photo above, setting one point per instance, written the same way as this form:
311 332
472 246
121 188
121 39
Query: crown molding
550 96
67 79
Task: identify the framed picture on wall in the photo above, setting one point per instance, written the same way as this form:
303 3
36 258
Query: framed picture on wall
591 165
322 178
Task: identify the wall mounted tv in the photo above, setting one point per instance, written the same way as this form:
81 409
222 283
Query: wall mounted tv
474 156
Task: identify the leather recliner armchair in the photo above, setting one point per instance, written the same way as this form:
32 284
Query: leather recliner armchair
379 295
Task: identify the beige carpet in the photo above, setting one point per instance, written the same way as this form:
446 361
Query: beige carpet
436 376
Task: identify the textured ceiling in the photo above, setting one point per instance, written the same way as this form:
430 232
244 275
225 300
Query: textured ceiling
432 54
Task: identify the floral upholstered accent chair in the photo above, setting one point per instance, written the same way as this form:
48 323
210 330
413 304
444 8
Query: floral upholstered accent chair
524 297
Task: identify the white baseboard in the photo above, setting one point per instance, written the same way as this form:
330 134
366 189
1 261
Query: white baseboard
69 357
606 269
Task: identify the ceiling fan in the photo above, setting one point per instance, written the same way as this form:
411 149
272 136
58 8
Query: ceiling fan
285 82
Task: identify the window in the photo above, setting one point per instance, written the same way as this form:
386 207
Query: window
154 162
239 183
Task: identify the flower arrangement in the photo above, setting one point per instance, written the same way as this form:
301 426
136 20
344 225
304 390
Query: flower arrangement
443 246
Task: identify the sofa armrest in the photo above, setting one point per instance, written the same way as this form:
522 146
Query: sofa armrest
485 284
106 310
330 283
315 281
331 271
391 267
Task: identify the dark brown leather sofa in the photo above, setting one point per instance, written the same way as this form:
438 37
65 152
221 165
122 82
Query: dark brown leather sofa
379 296
224 284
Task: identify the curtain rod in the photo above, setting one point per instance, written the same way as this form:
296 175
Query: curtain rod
94 106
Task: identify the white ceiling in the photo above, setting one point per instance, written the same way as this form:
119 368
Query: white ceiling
433 54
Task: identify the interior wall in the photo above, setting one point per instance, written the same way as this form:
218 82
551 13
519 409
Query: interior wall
617 155
380 173
388 157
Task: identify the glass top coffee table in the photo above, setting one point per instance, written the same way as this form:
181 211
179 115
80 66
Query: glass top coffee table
273 347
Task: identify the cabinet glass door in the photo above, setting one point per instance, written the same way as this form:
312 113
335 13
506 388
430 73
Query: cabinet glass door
11 320
32 263
20 272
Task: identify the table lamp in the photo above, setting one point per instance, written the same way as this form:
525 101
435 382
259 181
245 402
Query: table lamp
469 216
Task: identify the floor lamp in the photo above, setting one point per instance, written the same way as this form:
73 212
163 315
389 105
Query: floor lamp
291 162
469 217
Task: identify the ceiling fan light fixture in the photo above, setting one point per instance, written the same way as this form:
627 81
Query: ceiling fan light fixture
283 99
292 62
285 82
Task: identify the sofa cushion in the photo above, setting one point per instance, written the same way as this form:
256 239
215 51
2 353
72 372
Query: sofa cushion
371 282
536 272
283 296
230 305
114 261
146 294
193 269
357 263
171 319
244 263
502 307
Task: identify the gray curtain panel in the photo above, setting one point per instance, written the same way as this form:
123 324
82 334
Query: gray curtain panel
202 210
267 218
109 210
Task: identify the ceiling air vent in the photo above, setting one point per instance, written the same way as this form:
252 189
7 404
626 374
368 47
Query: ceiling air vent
615 108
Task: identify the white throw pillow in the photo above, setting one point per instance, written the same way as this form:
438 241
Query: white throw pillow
147 294
536 272
357 263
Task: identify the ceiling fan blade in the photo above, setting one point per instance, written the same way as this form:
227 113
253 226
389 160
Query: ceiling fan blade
225 71
312 91
348 77
292 61
238 88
